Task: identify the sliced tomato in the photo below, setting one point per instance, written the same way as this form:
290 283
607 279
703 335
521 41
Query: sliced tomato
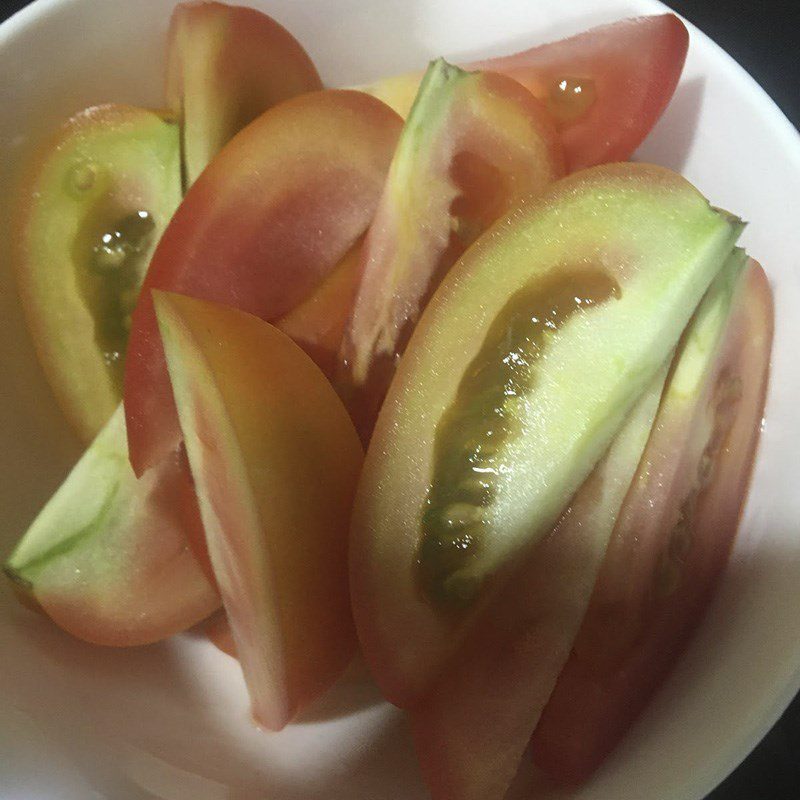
411 605
107 558
318 323
605 87
88 212
471 729
264 224
474 144
275 460
670 545
226 65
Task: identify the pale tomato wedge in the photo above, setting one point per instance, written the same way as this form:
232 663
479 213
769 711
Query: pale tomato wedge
88 212
473 145
471 729
275 460
606 87
672 539
261 228
107 558
226 65
624 218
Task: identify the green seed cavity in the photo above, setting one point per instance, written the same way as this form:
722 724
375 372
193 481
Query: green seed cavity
119 246
111 261
470 439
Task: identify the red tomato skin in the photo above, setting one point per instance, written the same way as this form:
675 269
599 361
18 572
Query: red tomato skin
262 227
601 690
485 144
226 65
635 65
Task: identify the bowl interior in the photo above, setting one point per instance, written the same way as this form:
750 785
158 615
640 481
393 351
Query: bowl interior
171 720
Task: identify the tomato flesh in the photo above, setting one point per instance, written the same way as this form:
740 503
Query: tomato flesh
226 65
471 729
275 460
88 214
630 70
265 223
473 145
318 323
631 210
667 552
605 87
107 558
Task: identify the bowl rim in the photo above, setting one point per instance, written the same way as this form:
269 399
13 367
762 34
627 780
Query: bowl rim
779 695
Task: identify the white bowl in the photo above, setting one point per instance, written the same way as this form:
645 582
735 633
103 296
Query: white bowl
171 720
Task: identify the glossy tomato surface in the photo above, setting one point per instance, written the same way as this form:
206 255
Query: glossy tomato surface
606 87
665 557
264 225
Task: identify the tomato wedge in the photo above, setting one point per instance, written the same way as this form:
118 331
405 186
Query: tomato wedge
226 65
107 558
275 460
672 539
318 323
606 87
264 224
473 145
89 210
627 220
471 729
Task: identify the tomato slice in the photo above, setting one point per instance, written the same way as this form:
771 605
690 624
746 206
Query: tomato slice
606 87
624 221
226 65
107 556
265 223
471 729
275 459
670 544
473 145
89 210
318 323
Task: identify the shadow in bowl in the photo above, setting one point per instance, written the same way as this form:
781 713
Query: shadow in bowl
353 692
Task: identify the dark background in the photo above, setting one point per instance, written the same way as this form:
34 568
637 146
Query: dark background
764 38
